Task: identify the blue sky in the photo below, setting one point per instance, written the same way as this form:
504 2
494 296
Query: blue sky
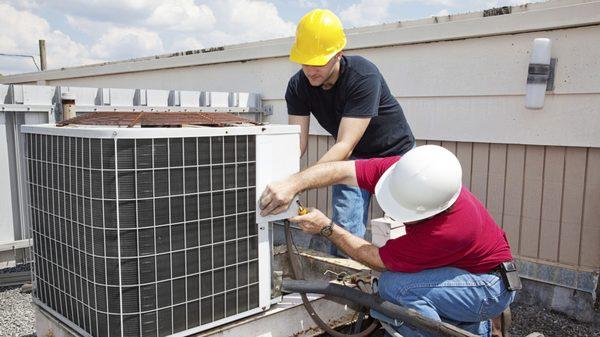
81 32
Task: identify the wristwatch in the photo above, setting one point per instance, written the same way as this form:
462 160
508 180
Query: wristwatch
327 230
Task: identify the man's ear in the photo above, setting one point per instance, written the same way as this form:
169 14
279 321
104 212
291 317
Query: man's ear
339 55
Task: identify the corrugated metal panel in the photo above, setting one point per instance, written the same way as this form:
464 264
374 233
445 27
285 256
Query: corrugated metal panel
544 197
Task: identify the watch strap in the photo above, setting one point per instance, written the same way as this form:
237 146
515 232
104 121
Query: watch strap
327 230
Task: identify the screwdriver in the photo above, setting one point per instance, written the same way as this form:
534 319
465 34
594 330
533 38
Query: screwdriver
301 209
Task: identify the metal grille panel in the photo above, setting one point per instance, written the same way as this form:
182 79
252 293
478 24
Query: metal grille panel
144 236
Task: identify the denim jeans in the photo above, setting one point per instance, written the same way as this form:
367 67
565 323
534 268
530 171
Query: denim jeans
447 294
350 211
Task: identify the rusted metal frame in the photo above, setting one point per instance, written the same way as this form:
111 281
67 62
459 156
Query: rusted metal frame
179 119
133 122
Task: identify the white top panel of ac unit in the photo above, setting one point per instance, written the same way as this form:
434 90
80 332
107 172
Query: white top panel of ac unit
277 157
92 131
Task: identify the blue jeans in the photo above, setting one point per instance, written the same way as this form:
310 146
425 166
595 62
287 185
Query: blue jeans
447 294
350 211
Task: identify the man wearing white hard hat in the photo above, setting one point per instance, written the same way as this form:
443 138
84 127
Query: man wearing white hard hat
454 263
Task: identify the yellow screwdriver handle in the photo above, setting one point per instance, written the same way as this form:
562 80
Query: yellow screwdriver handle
301 209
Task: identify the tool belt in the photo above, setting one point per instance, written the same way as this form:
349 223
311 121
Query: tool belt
509 274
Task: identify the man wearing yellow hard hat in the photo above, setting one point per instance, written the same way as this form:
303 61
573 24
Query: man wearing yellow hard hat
350 99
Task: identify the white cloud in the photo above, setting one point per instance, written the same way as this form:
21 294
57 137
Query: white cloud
19 34
87 26
443 12
248 20
182 15
118 11
365 13
313 3
23 4
447 3
188 24
123 43
187 43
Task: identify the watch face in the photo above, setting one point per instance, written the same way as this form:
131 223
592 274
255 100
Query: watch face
326 231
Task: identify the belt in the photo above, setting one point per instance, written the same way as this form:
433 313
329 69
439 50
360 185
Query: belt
497 270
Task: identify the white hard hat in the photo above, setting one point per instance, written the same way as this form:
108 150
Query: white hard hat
424 182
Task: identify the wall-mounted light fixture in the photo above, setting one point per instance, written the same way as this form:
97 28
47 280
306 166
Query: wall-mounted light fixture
540 77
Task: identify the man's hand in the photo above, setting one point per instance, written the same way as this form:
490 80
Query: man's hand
312 222
277 197
357 248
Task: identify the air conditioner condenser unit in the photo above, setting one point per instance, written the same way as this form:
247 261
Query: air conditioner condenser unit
153 231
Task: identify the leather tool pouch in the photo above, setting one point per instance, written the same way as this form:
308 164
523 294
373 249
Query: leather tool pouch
509 273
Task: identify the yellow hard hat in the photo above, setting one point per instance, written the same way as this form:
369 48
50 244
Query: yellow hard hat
319 36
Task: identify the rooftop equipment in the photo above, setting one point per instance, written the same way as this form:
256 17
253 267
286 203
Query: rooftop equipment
152 231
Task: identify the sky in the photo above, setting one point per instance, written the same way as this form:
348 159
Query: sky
79 32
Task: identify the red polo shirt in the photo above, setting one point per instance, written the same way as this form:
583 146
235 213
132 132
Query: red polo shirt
464 237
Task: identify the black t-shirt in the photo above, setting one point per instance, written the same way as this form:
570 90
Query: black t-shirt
360 91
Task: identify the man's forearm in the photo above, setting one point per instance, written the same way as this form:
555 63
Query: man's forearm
325 174
358 249
339 151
